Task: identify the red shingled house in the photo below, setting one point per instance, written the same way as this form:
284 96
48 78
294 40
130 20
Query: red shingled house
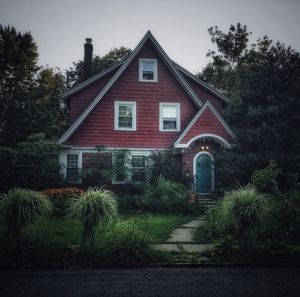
144 104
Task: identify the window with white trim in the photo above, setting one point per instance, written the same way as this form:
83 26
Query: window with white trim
169 116
72 168
138 168
125 115
148 70
120 166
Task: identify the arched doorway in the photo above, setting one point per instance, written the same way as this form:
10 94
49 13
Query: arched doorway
204 173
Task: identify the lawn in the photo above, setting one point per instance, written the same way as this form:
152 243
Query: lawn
65 231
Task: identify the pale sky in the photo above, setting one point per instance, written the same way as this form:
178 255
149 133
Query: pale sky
59 27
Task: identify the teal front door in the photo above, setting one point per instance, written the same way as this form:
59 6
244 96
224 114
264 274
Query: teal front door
203 174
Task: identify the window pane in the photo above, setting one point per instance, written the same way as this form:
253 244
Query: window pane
125 119
169 111
72 167
120 167
148 70
138 170
169 124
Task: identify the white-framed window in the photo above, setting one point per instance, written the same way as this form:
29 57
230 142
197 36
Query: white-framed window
125 115
72 168
169 116
132 167
148 70
138 168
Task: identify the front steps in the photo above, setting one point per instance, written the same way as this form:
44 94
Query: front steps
205 202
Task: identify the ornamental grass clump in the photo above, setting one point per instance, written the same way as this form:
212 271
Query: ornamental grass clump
127 244
249 213
95 205
20 208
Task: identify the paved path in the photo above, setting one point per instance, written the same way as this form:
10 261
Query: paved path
182 237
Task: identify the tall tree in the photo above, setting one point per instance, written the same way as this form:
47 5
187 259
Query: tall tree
18 60
264 81
50 115
75 74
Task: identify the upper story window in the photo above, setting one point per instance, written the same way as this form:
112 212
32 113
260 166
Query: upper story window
125 115
148 70
169 116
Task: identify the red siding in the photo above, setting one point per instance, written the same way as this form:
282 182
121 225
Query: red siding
98 128
207 123
79 101
205 96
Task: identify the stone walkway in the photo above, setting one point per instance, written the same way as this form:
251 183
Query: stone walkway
182 237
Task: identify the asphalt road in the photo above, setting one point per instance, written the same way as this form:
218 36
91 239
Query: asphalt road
173 282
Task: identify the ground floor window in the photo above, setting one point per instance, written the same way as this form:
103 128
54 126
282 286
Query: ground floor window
138 168
72 168
130 167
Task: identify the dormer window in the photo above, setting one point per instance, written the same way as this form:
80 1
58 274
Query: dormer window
148 70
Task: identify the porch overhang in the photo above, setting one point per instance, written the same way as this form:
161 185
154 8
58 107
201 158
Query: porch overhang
205 137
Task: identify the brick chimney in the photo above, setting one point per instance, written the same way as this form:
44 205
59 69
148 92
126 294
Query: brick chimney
88 58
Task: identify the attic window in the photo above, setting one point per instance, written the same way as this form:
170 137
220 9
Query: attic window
148 70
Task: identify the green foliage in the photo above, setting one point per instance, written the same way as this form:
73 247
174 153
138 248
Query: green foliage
263 83
126 244
225 247
18 56
61 199
76 74
166 197
92 207
30 97
166 164
249 212
265 180
20 208
32 164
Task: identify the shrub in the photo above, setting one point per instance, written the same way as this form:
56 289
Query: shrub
21 207
61 198
265 180
92 207
166 164
166 197
248 212
127 244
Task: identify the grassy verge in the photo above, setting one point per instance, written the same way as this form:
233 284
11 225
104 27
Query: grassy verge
55 243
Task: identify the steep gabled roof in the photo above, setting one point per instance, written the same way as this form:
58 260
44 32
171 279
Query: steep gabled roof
184 140
163 56
203 84
91 80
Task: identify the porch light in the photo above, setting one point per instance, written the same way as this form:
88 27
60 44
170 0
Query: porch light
207 147
202 148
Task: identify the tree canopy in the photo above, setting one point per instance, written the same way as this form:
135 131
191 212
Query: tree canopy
75 74
263 80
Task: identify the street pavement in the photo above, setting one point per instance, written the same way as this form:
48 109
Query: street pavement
166 282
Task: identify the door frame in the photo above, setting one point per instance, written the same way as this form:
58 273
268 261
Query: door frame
212 169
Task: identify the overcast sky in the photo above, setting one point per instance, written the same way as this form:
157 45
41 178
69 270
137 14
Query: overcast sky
59 27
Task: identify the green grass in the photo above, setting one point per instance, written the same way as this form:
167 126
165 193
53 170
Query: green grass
63 231
159 226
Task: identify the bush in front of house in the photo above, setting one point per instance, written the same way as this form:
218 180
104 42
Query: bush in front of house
126 244
166 197
20 208
249 213
61 198
265 180
93 206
